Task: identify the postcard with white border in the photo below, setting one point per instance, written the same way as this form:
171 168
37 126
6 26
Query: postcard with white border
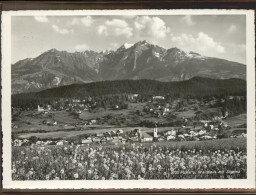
128 99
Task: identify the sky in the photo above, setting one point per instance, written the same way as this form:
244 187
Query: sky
222 36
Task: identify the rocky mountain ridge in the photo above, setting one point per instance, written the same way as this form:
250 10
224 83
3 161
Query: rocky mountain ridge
141 60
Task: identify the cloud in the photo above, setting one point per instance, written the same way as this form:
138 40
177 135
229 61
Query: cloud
202 42
113 45
232 28
62 31
41 18
238 48
115 27
74 21
151 27
241 47
102 30
129 16
188 20
81 47
87 21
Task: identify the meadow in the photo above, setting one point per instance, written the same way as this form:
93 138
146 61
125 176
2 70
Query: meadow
202 160
236 120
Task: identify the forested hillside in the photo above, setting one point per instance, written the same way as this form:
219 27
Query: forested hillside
197 87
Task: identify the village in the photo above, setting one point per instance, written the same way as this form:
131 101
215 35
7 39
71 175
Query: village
201 131
184 126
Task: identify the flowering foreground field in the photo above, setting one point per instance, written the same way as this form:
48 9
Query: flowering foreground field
83 162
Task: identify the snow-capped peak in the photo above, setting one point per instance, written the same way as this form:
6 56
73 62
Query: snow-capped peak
157 54
192 54
106 52
127 45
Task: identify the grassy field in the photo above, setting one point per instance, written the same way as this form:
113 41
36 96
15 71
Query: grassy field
226 143
64 117
42 129
186 114
236 120
32 120
100 112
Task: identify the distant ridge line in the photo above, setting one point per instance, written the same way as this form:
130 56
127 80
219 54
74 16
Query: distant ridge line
197 86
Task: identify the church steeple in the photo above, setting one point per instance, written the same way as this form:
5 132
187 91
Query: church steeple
155 131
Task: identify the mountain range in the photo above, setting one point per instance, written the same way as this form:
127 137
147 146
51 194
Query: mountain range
141 60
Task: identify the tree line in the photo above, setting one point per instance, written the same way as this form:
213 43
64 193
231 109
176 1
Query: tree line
110 92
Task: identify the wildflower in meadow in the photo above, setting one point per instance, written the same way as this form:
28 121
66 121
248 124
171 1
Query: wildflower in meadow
124 163
74 161
62 171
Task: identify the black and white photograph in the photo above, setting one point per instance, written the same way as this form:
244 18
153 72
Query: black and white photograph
164 97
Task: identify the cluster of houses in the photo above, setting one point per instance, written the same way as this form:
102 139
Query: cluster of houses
75 104
68 104
137 135
20 142
159 107
133 97
158 110
215 124
25 142
45 109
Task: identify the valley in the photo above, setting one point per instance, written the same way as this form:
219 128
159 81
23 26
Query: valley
77 118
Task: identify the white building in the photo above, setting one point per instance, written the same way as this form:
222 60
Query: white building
61 143
49 107
171 132
193 133
170 137
158 97
96 139
146 138
93 121
76 101
40 109
166 109
133 96
86 141
202 132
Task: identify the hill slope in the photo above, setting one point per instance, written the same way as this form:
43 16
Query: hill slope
196 86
